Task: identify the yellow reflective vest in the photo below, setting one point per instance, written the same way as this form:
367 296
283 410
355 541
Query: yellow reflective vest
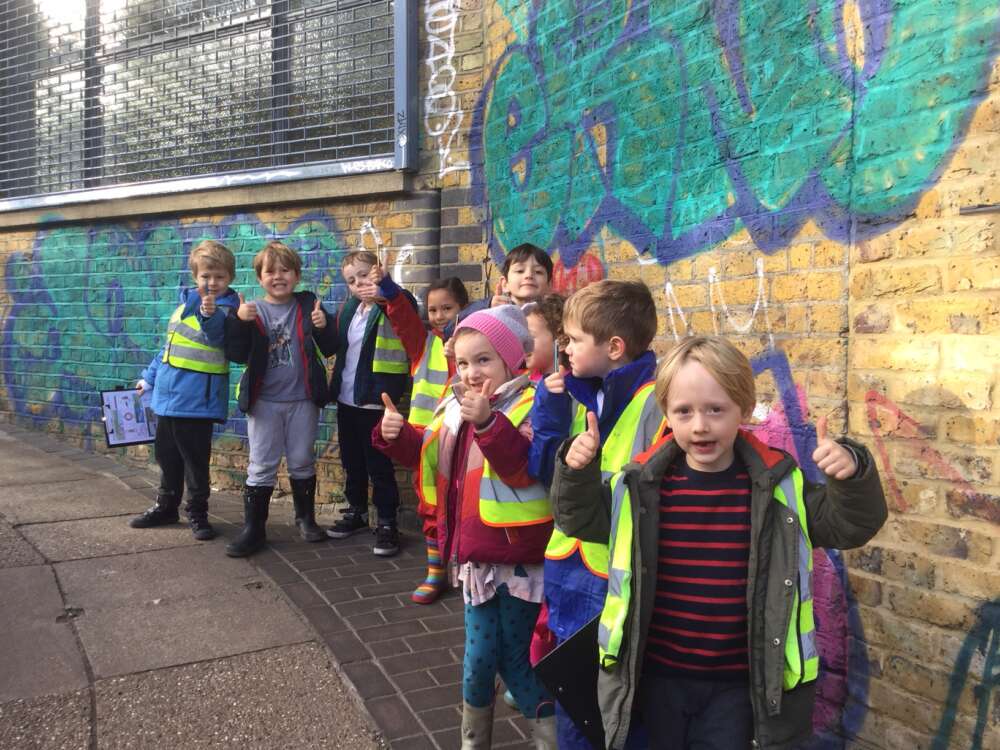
430 379
390 356
639 425
188 348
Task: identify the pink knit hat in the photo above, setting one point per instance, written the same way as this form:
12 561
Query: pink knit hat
507 330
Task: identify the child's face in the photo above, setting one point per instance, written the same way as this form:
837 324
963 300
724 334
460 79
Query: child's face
526 280
442 308
477 361
278 282
587 358
356 276
704 418
212 280
540 359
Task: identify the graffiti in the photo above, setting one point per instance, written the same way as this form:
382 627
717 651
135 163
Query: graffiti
983 638
88 305
759 304
885 418
621 117
442 111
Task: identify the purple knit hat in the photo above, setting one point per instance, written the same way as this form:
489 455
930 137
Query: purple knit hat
507 330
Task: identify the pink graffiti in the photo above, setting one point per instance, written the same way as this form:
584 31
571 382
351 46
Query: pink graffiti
775 429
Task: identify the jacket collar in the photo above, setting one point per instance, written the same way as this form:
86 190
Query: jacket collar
619 386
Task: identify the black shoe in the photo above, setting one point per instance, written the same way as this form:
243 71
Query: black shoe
352 522
304 498
201 528
160 514
386 540
256 501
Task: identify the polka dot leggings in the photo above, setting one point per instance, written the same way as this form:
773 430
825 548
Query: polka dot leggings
497 639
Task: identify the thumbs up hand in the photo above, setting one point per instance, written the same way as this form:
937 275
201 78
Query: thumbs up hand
449 348
830 456
556 382
392 420
208 305
247 310
476 406
586 446
318 317
500 297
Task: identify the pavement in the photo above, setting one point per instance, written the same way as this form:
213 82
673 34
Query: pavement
116 637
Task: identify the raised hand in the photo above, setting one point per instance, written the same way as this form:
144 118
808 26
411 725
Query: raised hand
500 297
392 420
449 348
556 382
318 317
830 456
376 274
208 305
585 447
476 406
247 310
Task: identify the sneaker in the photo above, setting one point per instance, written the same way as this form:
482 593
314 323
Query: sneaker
155 516
352 522
386 540
202 529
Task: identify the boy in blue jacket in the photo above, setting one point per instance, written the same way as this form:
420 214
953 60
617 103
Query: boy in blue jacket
610 325
190 382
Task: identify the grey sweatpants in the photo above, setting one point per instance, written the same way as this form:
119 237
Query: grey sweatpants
281 428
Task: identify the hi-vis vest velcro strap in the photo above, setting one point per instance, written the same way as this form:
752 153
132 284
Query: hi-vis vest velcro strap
430 379
801 657
390 356
611 627
639 425
188 348
503 505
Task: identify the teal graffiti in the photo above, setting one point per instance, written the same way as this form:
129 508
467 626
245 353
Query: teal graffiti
677 124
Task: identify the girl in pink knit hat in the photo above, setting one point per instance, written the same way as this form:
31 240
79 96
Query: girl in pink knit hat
493 519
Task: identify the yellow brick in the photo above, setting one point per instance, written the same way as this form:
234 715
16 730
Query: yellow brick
471 253
966 314
924 239
970 390
826 384
973 273
737 292
738 264
825 285
972 429
788 287
888 353
701 323
688 296
789 318
398 221
800 257
814 352
828 319
681 270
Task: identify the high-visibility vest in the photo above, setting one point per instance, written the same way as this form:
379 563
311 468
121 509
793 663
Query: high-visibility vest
499 504
430 379
390 355
639 425
801 657
188 348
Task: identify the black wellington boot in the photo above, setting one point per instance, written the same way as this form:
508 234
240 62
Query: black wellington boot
304 497
256 501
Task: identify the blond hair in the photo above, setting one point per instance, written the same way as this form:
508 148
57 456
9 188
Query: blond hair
275 252
609 308
365 256
727 364
212 254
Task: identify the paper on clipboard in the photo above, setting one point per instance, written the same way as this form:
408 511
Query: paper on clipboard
128 417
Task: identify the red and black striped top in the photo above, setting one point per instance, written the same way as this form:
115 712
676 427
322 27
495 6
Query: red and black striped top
699 624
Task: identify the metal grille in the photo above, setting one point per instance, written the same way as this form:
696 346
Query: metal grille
98 93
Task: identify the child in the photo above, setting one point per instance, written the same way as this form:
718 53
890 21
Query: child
281 391
371 360
190 382
720 520
545 325
610 325
431 371
493 520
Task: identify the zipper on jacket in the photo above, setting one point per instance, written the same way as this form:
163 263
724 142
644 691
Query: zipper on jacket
208 386
798 632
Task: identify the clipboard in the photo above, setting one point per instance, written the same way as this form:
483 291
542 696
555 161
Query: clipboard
128 417
570 674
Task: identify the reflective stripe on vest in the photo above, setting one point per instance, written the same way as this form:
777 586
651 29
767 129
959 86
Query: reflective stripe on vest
430 379
639 425
801 657
390 356
503 505
427 475
188 348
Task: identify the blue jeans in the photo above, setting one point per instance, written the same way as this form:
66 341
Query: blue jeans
686 714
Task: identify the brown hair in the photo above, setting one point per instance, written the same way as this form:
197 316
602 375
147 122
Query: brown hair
609 308
727 364
365 256
524 251
212 253
454 286
550 309
276 252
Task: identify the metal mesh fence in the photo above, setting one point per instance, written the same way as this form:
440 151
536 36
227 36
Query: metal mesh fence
110 92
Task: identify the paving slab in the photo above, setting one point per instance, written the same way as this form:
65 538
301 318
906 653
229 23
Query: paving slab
51 722
74 540
231 703
169 607
69 500
15 552
38 652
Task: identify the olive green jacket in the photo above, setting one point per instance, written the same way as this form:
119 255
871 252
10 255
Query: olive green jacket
841 514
